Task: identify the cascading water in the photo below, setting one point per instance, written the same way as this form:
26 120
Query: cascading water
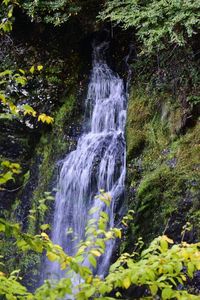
97 163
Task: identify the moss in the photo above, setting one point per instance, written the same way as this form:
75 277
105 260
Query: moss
157 195
157 141
138 114
163 169
176 117
187 149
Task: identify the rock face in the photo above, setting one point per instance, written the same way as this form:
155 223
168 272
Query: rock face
163 169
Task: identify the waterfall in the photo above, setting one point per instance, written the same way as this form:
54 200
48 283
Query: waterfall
99 162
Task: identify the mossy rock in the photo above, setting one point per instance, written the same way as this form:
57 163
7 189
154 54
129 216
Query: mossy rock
138 114
166 183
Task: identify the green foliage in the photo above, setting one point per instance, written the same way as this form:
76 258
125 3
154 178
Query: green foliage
38 212
7 172
56 12
158 22
193 100
18 80
160 268
6 15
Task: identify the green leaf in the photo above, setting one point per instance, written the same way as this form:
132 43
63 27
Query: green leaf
178 266
6 177
21 80
32 69
37 246
90 291
167 293
27 176
43 207
21 244
22 71
118 294
2 227
40 67
93 210
28 110
6 72
104 215
153 289
103 288
95 252
190 269
52 256
10 12
92 260
100 243
44 226
126 282
164 245
51 198
5 163
151 274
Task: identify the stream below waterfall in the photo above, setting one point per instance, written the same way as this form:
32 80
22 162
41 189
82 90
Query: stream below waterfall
98 163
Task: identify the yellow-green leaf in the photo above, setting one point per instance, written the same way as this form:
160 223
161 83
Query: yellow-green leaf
153 289
40 67
45 119
32 69
167 293
92 260
95 253
126 282
52 256
44 226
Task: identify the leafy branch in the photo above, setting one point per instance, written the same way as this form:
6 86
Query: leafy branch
160 268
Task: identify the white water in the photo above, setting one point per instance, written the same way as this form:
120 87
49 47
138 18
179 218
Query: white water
97 163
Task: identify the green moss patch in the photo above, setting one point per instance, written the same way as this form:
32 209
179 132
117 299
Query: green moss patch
163 167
